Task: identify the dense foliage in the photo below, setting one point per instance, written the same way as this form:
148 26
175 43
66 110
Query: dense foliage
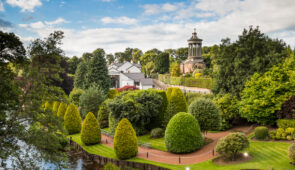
291 153
207 114
231 145
253 52
261 133
103 114
75 96
113 122
183 134
72 119
125 140
55 106
110 166
113 93
62 110
158 120
286 123
288 109
264 94
80 74
91 99
157 133
175 72
90 132
168 93
161 64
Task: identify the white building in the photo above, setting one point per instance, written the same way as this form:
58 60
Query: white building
128 74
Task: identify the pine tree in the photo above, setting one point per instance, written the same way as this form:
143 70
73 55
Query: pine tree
80 74
90 133
72 119
98 73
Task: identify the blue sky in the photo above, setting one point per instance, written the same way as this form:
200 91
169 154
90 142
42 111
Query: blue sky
145 24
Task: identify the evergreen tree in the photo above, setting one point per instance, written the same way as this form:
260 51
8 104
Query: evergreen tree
98 73
162 63
55 106
175 72
62 110
80 74
90 133
72 119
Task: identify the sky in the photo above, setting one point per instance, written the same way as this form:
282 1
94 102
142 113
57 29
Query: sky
145 24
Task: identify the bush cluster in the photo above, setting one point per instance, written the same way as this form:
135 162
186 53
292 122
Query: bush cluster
113 93
282 134
125 140
90 133
72 119
286 123
183 134
103 114
231 145
75 96
157 133
291 153
261 133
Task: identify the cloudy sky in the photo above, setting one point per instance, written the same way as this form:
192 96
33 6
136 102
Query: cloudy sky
145 24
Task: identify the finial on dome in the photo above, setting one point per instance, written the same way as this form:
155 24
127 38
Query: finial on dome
195 30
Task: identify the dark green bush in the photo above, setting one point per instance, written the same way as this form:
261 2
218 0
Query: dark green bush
157 133
90 133
113 93
157 120
261 133
183 134
72 119
286 123
207 114
291 153
103 114
75 96
110 166
125 140
231 145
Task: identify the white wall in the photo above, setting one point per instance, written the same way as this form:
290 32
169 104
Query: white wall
145 87
124 67
124 81
133 69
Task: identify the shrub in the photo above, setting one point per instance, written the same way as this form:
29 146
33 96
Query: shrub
290 131
48 105
231 145
113 122
261 132
103 114
72 119
62 110
272 134
183 134
110 166
280 134
125 140
291 153
91 99
157 133
90 133
289 137
55 107
113 93
158 120
286 123
207 114
127 88
75 96
168 93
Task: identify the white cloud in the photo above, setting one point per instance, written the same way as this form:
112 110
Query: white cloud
1 7
120 20
152 9
25 5
57 21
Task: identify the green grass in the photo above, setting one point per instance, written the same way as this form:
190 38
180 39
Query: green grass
158 144
265 155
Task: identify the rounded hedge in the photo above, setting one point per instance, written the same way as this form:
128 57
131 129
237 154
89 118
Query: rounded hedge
231 145
183 134
125 140
157 133
261 133
103 115
62 110
207 114
72 119
291 153
90 133
75 96
168 92
55 106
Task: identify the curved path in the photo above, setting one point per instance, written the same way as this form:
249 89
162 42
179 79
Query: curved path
204 154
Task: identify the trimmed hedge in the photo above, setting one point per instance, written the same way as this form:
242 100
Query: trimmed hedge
62 110
286 123
55 107
183 134
291 153
90 133
168 93
113 93
72 119
231 145
207 114
103 114
157 133
178 100
125 140
261 133
75 96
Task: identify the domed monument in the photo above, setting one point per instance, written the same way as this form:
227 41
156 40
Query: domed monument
194 59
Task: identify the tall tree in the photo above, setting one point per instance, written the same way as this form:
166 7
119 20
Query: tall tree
73 64
80 75
110 58
136 54
181 54
162 63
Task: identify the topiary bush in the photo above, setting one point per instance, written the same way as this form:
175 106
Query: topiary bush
90 133
103 114
55 106
157 133
125 140
113 93
72 119
183 134
207 114
62 110
230 146
168 93
286 123
75 96
261 133
291 153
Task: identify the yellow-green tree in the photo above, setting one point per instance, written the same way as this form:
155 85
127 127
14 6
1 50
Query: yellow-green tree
168 93
72 119
55 106
175 70
62 110
90 133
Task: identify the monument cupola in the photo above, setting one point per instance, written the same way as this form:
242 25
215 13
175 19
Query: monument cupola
195 48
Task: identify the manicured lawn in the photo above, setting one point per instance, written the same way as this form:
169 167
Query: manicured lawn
266 155
158 144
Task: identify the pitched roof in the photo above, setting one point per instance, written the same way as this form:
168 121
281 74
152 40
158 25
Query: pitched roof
134 76
147 82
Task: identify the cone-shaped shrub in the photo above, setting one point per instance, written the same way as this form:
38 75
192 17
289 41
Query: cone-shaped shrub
72 119
48 105
55 107
62 110
183 134
177 99
168 93
90 133
125 140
